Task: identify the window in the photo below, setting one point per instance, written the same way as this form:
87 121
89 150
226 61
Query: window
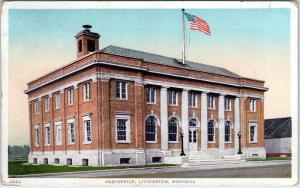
56 160
192 136
69 161
253 132
71 132
211 131
252 105
87 130
227 131
91 45
124 160
192 99
156 159
85 162
172 97
58 140
193 123
45 160
57 101
150 92
151 129
227 104
211 102
36 136
86 92
121 90
35 107
46 102
123 129
70 96
80 46
173 130
47 135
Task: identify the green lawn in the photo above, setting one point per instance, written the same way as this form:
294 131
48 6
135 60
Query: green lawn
268 159
21 168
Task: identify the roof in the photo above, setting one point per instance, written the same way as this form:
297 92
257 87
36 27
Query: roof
278 128
159 59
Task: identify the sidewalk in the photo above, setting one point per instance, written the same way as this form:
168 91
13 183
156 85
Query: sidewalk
120 172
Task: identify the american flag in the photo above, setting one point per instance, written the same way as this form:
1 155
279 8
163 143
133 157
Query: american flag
197 23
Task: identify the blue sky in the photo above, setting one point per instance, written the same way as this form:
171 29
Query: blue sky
133 28
250 42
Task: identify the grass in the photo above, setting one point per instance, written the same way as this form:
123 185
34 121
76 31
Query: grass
22 168
268 159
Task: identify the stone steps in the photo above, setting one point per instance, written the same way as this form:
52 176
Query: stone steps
205 159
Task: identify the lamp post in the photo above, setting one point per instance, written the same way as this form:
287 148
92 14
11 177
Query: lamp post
182 152
239 134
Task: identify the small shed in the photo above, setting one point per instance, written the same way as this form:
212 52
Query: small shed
278 134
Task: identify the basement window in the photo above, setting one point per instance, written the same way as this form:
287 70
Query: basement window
124 160
69 161
156 159
34 160
45 160
255 155
56 160
85 162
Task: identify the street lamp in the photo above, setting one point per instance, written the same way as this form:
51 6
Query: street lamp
239 134
182 152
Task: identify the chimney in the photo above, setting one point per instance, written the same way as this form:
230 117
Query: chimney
87 41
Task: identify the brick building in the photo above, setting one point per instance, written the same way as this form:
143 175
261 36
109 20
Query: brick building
120 106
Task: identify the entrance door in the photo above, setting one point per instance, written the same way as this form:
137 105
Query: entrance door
193 140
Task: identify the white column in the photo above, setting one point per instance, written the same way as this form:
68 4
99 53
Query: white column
164 118
221 123
204 121
185 119
236 122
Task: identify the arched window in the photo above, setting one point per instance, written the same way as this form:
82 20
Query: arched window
193 123
173 129
151 129
227 131
211 131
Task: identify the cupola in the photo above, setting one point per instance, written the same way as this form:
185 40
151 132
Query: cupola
87 41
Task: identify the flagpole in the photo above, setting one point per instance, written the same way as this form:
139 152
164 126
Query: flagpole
183 42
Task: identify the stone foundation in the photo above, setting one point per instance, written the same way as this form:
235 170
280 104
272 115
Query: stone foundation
127 156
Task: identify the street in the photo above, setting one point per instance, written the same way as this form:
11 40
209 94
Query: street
280 171
254 169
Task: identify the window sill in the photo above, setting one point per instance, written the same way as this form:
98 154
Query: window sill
123 142
46 111
193 107
57 108
70 104
173 105
87 143
86 100
211 142
211 109
151 103
37 146
58 145
228 110
47 145
71 144
252 111
173 142
253 142
229 142
151 142
122 99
